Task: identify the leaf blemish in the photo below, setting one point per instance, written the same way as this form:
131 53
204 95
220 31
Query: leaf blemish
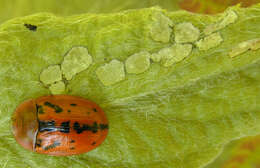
228 18
242 47
30 27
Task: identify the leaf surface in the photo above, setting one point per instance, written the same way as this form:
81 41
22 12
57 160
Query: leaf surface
177 116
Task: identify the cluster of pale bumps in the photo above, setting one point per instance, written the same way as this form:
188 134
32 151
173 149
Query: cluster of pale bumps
182 38
186 36
55 76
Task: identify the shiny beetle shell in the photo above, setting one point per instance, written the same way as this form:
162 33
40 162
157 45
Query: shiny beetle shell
59 125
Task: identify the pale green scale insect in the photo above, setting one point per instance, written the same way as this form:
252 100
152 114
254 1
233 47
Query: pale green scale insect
186 33
138 63
51 74
111 73
57 87
211 41
77 60
244 46
177 53
164 53
52 77
161 27
173 54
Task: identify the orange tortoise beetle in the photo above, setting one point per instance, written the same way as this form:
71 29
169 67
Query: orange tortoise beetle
59 125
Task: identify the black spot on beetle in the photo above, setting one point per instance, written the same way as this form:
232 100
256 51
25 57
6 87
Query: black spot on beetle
65 127
94 109
72 148
93 143
94 127
47 126
69 111
30 27
57 108
54 145
73 104
72 141
85 127
103 126
77 127
39 109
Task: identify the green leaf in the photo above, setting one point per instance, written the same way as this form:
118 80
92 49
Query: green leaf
176 116
17 8
242 153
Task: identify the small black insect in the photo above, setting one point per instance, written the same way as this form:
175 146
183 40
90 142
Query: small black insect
30 27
